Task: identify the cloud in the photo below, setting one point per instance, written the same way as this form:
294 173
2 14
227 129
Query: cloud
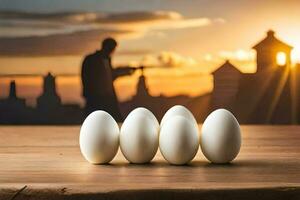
70 33
92 17
168 59
238 55
55 45
171 59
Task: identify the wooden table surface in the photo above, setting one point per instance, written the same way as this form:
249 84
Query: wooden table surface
44 162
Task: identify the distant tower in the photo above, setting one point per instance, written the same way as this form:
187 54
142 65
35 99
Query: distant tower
142 89
49 98
13 100
13 109
268 51
226 85
12 90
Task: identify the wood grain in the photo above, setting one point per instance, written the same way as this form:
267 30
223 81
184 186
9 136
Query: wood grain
46 160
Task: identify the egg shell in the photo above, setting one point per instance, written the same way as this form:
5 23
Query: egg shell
99 137
139 137
220 137
146 112
181 111
178 140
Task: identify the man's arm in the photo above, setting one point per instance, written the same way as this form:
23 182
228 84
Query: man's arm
122 71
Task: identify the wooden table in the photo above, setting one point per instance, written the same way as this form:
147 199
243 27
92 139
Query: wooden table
44 162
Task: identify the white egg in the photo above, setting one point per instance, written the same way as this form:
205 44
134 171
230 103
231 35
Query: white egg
99 137
139 136
221 137
178 140
146 112
181 111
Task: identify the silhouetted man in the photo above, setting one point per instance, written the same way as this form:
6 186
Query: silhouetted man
97 80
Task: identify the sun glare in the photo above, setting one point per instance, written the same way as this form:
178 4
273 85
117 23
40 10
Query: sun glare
295 55
281 58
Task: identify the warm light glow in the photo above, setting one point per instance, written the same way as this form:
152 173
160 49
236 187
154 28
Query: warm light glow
281 58
238 55
295 55
242 55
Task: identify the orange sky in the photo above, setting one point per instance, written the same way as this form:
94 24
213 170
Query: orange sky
186 41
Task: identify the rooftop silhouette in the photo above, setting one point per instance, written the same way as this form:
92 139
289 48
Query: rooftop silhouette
263 97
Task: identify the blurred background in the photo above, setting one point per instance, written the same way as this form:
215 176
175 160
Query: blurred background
240 55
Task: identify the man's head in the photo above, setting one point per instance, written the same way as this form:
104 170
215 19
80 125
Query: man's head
109 45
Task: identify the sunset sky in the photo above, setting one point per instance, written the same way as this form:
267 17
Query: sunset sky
184 39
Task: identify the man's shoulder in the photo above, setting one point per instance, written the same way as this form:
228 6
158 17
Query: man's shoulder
91 56
94 56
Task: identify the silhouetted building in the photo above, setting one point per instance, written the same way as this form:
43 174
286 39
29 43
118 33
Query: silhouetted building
12 97
13 109
262 97
226 85
50 109
49 99
268 50
13 101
